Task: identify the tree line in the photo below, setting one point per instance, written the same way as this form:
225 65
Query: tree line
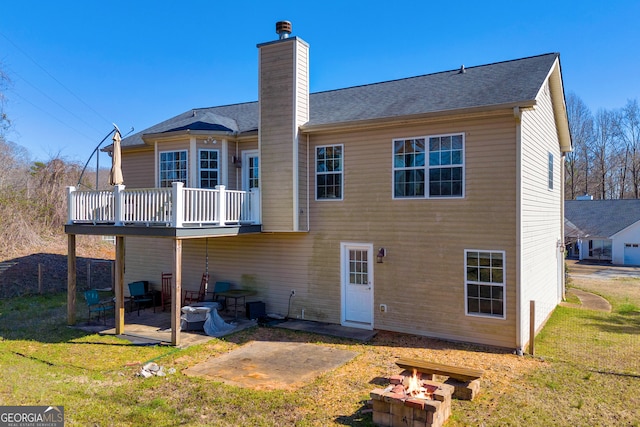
33 195
605 162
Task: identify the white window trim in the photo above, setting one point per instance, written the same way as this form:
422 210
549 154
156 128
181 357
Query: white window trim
315 167
427 167
219 169
160 153
503 284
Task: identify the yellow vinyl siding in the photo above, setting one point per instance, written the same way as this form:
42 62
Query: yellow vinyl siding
421 280
272 265
137 169
283 94
305 173
422 277
276 140
425 239
146 259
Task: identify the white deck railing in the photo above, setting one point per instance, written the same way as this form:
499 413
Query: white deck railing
175 207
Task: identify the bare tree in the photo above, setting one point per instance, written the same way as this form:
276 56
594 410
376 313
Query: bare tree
15 165
50 180
603 152
619 159
578 162
629 134
5 82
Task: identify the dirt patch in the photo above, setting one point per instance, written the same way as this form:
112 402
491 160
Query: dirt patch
272 365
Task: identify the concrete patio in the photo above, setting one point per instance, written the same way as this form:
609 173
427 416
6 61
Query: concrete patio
154 328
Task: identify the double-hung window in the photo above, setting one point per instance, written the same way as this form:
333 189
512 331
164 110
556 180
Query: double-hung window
428 166
485 283
173 167
329 170
209 168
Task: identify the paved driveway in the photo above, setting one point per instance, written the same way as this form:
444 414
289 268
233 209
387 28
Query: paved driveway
601 271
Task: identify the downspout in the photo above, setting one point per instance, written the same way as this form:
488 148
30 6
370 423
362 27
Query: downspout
562 252
517 113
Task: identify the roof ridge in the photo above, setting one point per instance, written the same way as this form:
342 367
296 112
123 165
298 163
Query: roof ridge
395 80
436 73
220 106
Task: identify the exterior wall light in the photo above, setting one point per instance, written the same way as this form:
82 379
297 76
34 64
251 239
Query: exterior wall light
382 252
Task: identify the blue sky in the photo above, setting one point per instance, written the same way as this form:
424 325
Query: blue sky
78 66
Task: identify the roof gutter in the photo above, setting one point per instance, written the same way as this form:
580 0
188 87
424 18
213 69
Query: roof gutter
496 109
189 132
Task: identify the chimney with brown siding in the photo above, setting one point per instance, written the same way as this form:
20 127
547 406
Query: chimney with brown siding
283 95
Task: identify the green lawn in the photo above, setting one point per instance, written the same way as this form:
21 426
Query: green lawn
585 372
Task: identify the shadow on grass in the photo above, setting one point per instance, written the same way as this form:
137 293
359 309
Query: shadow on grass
362 417
616 323
40 318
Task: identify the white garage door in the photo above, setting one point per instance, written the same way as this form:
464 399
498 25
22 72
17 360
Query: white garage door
631 254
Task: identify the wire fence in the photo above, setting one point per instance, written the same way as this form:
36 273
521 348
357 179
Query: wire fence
47 273
600 341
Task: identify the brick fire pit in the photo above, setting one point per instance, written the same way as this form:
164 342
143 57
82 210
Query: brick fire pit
401 405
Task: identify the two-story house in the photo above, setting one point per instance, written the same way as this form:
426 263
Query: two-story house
430 205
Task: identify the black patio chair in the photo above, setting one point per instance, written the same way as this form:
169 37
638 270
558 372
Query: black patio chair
139 295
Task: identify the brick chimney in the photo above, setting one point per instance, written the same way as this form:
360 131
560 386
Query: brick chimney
283 95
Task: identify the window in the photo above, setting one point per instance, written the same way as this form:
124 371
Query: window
550 171
485 283
441 176
173 167
600 249
329 172
209 168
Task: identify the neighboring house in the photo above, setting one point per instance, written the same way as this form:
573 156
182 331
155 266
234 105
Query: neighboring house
603 230
429 205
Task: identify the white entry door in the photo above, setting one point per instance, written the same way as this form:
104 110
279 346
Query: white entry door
357 284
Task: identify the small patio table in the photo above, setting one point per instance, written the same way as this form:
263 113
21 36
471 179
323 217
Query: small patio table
235 295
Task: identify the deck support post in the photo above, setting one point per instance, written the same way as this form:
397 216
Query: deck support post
119 285
532 327
71 279
176 301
